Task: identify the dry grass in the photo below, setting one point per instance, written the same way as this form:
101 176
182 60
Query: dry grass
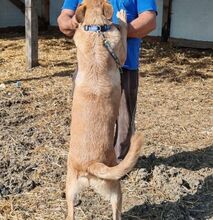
172 180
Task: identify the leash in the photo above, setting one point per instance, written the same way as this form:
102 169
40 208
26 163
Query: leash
108 46
100 29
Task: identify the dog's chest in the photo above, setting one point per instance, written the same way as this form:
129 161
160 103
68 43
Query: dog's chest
107 78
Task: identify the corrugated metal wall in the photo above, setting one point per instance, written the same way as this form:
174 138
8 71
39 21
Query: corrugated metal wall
10 15
191 19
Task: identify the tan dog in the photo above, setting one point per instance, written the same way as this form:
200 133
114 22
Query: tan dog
91 159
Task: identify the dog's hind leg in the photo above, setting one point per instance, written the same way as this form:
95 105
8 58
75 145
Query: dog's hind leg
116 200
75 182
71 192
110 190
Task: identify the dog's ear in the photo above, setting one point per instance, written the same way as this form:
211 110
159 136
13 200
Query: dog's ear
80 13
108 10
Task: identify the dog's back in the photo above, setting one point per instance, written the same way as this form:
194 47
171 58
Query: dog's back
96 96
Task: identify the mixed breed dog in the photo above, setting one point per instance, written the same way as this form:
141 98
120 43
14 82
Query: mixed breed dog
96 98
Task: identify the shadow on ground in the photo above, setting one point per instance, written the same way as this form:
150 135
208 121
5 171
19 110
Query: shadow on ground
184 64
191 160
198 206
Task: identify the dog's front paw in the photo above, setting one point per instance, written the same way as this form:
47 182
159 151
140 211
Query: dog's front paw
121 15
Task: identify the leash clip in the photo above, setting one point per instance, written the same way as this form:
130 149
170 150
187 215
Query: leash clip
98 28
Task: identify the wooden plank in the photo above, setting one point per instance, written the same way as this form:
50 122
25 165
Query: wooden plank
42 21
166 20
191 43
19 4
31 32
45 13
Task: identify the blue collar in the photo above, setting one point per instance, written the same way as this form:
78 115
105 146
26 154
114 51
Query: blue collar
97 28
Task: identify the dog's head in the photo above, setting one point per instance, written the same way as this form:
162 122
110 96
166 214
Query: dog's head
93 9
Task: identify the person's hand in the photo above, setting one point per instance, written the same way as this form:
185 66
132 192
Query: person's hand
74 20
67 22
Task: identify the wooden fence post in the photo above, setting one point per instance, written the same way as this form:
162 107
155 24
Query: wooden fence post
31 32
166 21
45 13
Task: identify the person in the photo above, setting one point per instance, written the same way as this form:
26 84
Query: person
141 18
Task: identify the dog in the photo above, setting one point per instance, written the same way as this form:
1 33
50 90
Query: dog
96 98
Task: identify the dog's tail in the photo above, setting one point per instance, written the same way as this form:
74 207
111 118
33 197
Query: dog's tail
114 173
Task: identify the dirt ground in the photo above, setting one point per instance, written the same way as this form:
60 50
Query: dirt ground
174 176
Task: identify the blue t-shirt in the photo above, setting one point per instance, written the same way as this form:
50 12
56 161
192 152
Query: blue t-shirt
133 9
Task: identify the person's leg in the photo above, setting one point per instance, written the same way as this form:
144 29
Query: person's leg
125 126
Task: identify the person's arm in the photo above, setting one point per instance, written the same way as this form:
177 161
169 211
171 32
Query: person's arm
143 25
67 22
